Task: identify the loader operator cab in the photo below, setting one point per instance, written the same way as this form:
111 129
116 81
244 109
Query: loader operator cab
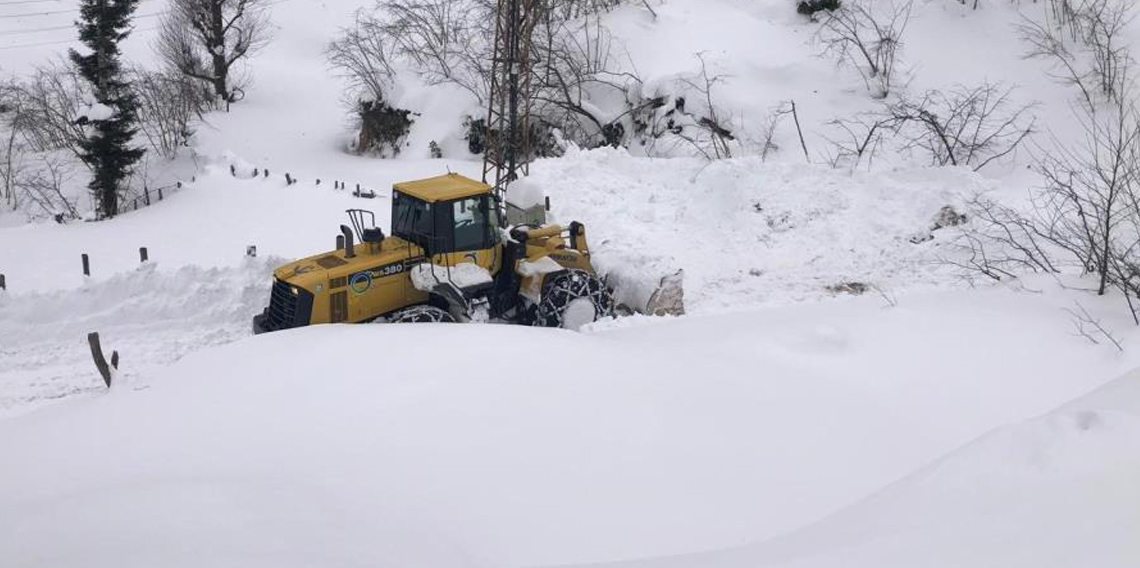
450 216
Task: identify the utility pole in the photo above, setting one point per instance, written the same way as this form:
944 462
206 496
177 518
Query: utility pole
507 153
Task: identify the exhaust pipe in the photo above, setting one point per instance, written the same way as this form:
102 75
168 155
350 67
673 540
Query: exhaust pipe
349 245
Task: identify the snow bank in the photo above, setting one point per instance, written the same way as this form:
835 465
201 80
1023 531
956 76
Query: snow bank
151 316
748 233
699 434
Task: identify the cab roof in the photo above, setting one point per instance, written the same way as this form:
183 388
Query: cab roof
443 188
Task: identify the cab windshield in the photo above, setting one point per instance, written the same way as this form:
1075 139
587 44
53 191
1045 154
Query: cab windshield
412 220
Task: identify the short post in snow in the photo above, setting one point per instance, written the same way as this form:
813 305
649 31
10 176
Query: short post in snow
86 265
251 251
3 284
233 170
143 257
288 179
256 172
318 181
160 194
266 172
100 360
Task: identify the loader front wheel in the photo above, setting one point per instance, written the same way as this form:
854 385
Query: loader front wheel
420 314
572 299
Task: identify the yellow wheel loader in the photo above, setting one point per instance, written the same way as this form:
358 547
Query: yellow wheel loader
446 259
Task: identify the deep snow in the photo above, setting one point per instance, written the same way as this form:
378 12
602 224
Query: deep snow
777 426
633 442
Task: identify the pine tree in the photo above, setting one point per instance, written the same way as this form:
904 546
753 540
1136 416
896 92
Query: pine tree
107 149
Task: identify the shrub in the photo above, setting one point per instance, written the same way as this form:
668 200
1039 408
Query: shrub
811 7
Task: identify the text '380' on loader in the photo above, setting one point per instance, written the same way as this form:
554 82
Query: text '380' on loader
446 259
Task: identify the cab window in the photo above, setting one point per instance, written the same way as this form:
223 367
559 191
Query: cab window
471 223
411 219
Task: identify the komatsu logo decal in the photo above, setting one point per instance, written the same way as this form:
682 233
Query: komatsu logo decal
361 282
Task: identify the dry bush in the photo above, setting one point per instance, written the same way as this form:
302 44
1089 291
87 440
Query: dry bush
1085 43
1086 214
968 126
868 36
169 106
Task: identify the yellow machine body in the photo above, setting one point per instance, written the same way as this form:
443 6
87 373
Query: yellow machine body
445 220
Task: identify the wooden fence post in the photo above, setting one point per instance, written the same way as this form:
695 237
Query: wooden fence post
86 265
251 251
143 254
100 360
3 284
160 194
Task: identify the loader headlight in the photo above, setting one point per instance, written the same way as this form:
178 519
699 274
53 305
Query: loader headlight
294 290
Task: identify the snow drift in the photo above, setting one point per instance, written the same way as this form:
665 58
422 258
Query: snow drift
490 445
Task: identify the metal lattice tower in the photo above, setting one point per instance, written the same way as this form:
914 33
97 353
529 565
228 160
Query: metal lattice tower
507 149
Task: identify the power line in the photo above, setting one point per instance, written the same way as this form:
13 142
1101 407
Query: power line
16 2
60 42
51 12
48 13
38 14
67 27
76 40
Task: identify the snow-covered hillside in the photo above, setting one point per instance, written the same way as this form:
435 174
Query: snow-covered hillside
838 394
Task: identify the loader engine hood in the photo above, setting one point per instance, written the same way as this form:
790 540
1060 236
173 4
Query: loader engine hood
305 283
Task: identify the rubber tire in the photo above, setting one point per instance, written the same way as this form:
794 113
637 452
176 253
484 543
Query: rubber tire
420 314
562 288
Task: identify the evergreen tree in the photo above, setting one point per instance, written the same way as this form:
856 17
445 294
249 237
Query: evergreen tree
107 149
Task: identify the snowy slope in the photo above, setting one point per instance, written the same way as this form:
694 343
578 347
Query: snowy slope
634 442
1054 491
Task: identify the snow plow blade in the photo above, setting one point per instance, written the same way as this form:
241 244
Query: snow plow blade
653 295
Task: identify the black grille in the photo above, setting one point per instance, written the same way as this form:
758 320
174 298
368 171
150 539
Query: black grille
282 306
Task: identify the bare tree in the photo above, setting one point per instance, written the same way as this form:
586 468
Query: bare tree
170 104
205 39
48 110
576 69
363 54
43 186
1087 213
447 41
1086 206
868 36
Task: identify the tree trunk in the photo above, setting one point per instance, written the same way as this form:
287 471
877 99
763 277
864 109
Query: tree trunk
217 50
